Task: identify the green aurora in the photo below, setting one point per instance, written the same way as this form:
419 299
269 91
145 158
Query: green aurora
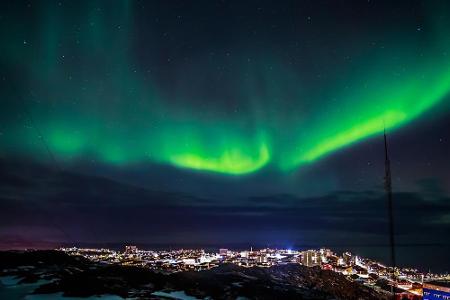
90 99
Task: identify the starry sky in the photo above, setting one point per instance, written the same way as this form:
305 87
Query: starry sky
224 122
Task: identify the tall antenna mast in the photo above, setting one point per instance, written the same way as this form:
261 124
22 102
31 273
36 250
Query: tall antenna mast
388 189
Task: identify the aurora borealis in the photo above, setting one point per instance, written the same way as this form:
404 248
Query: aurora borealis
100 87
252 122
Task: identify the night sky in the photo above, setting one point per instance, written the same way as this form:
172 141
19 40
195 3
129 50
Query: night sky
226 123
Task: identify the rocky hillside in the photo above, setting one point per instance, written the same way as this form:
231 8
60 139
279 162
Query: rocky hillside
73 276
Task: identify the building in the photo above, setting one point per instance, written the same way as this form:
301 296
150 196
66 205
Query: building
131 249
261 259
310 258
405 295
244 254
347 256
434 290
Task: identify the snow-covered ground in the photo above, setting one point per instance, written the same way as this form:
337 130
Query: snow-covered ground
178 295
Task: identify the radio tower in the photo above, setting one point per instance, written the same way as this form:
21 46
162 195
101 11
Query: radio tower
388 189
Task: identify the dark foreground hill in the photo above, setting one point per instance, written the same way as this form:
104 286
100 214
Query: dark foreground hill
76 276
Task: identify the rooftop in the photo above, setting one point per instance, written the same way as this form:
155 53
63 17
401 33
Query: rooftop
440 283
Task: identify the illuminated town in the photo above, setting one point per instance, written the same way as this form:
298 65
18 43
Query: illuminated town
409 283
